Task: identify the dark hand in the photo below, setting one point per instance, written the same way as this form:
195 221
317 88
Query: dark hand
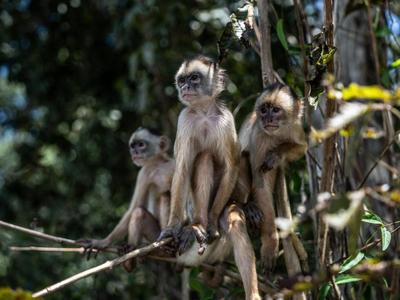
92 246
270 162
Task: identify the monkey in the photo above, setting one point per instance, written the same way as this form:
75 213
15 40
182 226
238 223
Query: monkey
271 137
206 148
207 155
150 204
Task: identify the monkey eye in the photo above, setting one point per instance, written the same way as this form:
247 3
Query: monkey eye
195 77
141 144
181 81
263 110
132 145
276 109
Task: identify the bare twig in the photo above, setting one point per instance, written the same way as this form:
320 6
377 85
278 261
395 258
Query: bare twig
377 161
329 145
57 249
108 265
267 70
38 234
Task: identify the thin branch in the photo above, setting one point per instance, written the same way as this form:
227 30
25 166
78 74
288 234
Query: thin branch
267 70
80 250
108 265
377 161
38 234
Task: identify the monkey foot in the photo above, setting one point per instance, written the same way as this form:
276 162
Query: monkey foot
269 265
201 237
186 239
91 246
212 233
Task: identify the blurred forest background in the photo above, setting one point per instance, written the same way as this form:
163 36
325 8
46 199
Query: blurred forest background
78 77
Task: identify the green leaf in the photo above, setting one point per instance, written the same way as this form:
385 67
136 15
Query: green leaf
395 64
370 217
324 291
281 34
346 278
386 237
351 262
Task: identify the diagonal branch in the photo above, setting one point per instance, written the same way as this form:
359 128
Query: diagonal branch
38 234
108 265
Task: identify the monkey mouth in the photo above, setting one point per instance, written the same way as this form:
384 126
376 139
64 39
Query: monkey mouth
136 157
187 96
271 127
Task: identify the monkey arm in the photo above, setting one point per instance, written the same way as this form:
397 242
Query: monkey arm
225 188
138 199
242 188
291 151
178 193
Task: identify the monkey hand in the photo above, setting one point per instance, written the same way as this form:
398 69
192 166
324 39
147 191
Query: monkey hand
186 239
270 162
92 246
254 216
171 231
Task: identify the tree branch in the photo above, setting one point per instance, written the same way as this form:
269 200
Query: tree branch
38 234
108 265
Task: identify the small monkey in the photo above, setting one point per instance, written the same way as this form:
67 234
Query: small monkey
207 151
271 137
149 208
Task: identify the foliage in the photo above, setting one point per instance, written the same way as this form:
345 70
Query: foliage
77 77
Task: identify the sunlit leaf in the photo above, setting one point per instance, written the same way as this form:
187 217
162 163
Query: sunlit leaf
371 218
395 196
348 113
386 236
373 92
346 278
281 34
351 262
395 64
372 133
303 286
344 210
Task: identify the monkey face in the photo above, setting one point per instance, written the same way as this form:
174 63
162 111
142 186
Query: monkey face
144 146
276 107
271 116
199 81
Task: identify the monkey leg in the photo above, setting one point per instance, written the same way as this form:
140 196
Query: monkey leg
203 178
234 223
141 224
164 208
269 233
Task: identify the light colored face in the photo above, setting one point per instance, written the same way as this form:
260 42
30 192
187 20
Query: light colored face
143 146
274 110
198 82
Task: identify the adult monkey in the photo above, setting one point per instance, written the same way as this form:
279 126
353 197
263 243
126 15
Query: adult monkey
207 157
206 148
150 205
270 138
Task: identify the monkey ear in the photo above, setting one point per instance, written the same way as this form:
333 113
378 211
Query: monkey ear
222 80
165 143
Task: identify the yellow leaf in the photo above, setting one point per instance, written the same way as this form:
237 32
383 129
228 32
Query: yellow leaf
372 92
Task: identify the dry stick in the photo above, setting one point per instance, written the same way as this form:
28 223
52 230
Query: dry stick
377 161
329 145
55 249
38 234
107 265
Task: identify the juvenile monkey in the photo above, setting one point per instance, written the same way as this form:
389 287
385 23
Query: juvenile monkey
149 208
206 150
271 137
